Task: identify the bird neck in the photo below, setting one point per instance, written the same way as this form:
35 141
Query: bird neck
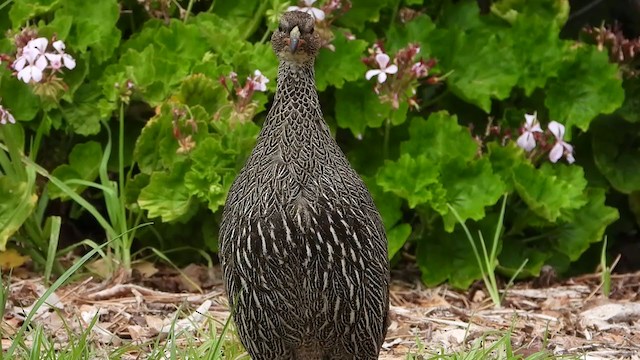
296 99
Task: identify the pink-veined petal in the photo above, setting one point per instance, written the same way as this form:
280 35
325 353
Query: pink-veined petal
556 129
309 3
36 73
69 62
372 73
556 152
383 60
530 119
392 69
55 60
59 45
382 77
19 63
526 141
317 13
25 74
40 44
570 158
41 63
536 128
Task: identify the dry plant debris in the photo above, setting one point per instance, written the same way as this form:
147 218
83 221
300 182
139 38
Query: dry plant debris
568 318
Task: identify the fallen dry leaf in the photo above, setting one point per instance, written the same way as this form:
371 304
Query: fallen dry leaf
11 258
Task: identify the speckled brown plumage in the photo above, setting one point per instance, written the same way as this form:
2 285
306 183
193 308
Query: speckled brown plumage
302 245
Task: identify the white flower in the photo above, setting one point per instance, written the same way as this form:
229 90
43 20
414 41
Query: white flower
561 147
531 125
39 44
383 62
5 116
259 81
30 64
308 8
57 60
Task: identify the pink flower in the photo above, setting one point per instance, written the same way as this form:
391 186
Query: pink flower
5 116
531 125
383 62
419 69
57 60
30 64
259 81
561 147
308 8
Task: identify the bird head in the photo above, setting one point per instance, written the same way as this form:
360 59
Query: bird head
295 40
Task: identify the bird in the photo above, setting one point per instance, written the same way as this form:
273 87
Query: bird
303 248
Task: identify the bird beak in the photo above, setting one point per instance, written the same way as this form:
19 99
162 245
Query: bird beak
294 37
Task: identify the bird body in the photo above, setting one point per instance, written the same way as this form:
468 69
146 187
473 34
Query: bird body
302 245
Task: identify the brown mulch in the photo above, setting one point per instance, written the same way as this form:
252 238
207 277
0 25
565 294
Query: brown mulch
569 317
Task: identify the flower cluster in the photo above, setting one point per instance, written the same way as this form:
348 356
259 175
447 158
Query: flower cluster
325 16
532 134
400 77
34 58
622 51
242 95
182 117
6 116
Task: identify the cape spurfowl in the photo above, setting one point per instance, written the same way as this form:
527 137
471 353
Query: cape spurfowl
302 245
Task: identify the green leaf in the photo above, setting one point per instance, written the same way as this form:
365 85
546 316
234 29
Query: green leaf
504 159
585 87
481 60
155 147
514 10
396 238
18 98
362 11
616 152
630 109
211 173
551 189
470 187
388 204
84 163
417 30
81 115
443 256
343 64
538 51
18 201
414 179
200 90
94 26
585 225
23 10
358 107
515 251
440 137
167 197
133 187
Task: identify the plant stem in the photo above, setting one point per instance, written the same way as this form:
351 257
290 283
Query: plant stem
394 14
213 4
253 25
189 7
122 219
385 146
